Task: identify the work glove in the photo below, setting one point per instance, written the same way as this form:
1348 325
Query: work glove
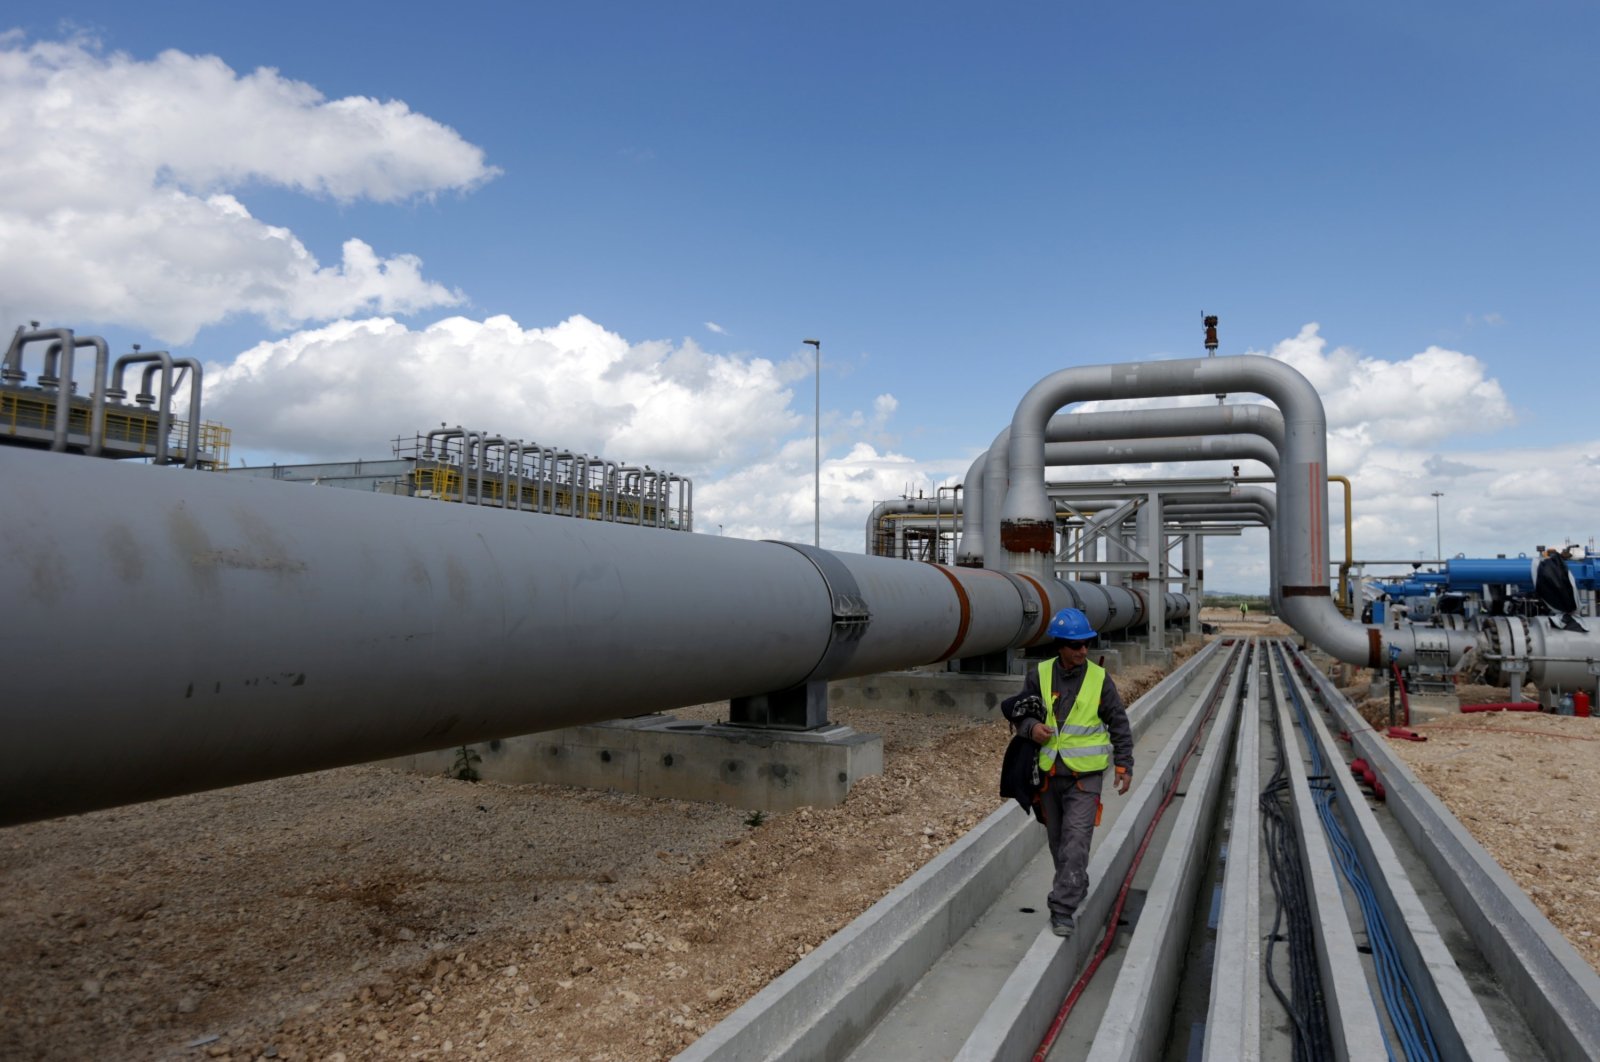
1124 779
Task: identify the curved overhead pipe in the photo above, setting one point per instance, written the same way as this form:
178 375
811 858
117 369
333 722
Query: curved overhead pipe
11 370
352 600
427 443
1027 518
62 351
158 361
898 505
1179 448
471 467
987 476
1150 450
1253 503
484 445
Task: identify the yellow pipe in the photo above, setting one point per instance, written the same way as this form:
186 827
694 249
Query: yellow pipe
1349 548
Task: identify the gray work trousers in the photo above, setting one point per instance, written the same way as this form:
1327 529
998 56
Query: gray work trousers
1069 811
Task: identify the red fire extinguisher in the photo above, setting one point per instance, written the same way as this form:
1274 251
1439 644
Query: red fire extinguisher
1580 704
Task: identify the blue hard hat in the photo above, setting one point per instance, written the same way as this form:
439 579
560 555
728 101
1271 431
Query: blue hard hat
1070 624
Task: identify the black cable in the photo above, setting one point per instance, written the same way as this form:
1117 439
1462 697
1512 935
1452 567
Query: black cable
1304 1002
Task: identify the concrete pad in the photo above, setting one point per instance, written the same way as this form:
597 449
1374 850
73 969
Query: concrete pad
1110 659
1130 653
661 756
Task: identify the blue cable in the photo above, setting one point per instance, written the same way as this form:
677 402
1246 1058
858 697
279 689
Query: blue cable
1399 996
1388 970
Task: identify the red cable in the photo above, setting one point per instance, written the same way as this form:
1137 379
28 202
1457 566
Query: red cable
1122 893
1405 702
1512 730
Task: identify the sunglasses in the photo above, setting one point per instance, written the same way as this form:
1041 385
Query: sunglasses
1075 645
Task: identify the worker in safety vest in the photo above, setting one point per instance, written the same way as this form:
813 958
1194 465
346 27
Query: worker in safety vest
1071 709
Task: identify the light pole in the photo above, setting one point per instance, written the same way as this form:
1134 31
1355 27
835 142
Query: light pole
816 528
1438 547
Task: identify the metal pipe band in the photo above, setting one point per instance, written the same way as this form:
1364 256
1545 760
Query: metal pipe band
851 613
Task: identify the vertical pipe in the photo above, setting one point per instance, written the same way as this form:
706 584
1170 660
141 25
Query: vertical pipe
58 367
64 339
192 458
164 410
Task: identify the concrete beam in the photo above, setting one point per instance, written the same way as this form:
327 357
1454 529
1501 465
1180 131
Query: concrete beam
827 1002
1133 1026
1541 972
1353 1020
1233 1019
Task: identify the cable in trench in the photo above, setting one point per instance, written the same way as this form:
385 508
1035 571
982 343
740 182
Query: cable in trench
1399 996
1304 1002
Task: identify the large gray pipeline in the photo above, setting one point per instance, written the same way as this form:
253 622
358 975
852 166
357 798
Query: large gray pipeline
1027 517
231 629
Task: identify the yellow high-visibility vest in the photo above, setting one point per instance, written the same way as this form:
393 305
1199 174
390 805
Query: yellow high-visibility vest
1081 743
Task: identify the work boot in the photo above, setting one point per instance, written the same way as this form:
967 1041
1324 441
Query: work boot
1062 925
1570 622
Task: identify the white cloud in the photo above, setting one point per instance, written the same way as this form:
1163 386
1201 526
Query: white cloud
728 421
1372 402
119 203
1431 395
344 390
775 496
1387 422
714 327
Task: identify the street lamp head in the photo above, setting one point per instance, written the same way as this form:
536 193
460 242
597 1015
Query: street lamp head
813 343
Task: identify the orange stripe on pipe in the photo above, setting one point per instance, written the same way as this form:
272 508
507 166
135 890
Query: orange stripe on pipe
966 612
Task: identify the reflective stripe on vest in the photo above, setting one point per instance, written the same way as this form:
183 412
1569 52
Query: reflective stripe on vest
1081 743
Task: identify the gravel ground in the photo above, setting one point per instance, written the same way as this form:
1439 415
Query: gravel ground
363 913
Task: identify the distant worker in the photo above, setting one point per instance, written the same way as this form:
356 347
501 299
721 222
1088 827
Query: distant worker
1070 708
1553 585
1244 612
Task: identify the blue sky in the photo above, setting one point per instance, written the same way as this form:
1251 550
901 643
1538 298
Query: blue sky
957 200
